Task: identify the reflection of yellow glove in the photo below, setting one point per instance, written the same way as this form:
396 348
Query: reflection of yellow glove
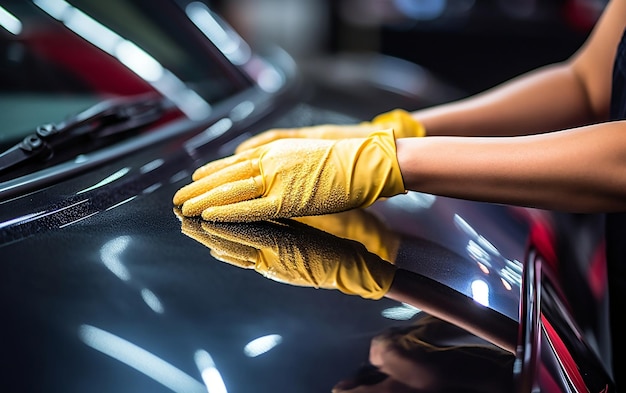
404 126
294 178
296 254
361 226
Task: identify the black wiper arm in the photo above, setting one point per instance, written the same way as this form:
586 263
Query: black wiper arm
104 119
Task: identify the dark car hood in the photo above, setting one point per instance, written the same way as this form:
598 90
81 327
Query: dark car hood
103 291
105 288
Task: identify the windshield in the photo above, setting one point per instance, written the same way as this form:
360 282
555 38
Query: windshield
59 57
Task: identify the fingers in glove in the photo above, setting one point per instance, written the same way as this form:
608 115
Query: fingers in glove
266 137
225 194
257 235
234 253
259 209
239 171
231 260
192 228
219 165
223 249
189 226
179 214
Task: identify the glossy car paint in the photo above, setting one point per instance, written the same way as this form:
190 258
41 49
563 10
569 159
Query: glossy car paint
102 291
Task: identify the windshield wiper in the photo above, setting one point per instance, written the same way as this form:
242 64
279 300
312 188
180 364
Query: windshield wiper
105 119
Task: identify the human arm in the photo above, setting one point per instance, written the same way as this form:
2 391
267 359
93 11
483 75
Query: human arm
576 170
564 95
579 169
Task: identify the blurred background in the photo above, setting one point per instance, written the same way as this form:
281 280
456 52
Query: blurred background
468 45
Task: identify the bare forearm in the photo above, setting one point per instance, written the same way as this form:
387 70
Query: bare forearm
561 96
579 170
547 99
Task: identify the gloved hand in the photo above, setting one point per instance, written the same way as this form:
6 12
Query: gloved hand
294 178
295 254
361 226
404 126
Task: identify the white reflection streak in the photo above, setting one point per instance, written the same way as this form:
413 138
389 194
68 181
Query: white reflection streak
109 254
465 226
107 180
19 219
270 80
261 345
152 301
515 266
403 312
218 128
152 165
55 8
478 254
139 61
487 245
478 247
129 54
210 374
511 276
228 42
201 16
480 292
415 199
139 359
242 110
10 22
39 215
152 188
91 30
121 203
178 176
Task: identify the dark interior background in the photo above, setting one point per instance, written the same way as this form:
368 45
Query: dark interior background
470 44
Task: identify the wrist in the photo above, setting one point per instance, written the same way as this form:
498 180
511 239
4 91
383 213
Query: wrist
406 157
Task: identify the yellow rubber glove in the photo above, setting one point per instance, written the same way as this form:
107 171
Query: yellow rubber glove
294 178
294 253
403 124
360 226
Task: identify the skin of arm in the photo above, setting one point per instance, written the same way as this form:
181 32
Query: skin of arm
573 93
554 148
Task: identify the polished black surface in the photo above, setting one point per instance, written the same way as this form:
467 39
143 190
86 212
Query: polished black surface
105 288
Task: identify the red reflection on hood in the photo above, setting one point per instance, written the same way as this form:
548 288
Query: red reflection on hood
90 65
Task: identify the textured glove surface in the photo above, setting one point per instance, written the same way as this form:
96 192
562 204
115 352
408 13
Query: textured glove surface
294 178
296 254
403 124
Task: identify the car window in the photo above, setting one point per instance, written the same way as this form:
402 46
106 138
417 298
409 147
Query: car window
59 57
